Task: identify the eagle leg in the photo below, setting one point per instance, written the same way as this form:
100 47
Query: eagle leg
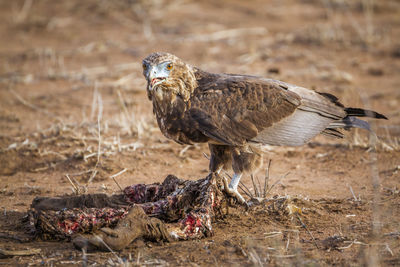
232 188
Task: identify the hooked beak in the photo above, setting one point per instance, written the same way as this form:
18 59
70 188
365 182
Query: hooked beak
156 81
155 78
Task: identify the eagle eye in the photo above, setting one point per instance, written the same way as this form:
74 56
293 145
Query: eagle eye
169 66
144 66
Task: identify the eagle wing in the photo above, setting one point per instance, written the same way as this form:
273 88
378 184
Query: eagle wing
236 109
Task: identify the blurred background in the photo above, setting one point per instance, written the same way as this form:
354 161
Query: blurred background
73 100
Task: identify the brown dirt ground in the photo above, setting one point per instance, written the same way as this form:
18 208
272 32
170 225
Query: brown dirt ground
64 61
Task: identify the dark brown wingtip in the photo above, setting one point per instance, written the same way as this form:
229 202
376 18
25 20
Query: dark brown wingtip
359 112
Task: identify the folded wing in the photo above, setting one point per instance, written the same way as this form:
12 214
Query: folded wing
235 110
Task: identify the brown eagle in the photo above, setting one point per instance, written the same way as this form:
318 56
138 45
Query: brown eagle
236 114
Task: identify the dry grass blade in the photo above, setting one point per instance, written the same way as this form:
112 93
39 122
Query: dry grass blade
125 111
272 234
27 104
226 34
97 103
120 261
254 257
266 180
99 116
23 14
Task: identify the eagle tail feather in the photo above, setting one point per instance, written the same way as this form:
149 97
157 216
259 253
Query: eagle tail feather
350 121
359 112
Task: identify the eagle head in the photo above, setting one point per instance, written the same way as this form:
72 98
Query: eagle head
168 75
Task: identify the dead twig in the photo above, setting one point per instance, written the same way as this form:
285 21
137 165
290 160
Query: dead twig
94 172
74 187
117 174
259 186
352 192
308 231
349 246
272 234
256 193
278 181
266 180
183 151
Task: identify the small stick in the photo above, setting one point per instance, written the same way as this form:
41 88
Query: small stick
388 249
254 186
288 242
94 172
352 192
73 185
249 194
259 186
308 231
277 182
184 150
138 259
117 174
346 247
272 234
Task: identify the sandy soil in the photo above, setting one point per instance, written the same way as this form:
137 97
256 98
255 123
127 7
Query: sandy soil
68 67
